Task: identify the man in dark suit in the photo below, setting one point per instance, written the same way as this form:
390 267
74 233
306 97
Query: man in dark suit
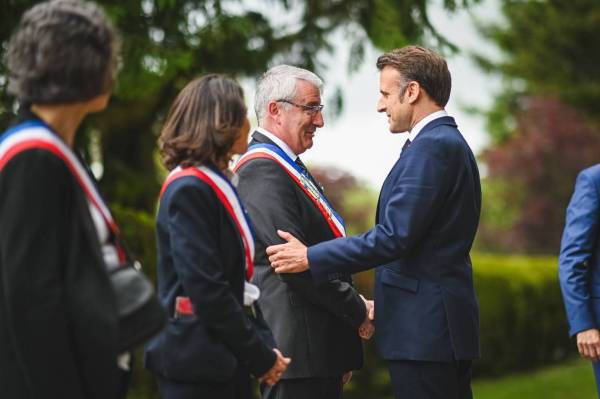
579 266
317 326
426 314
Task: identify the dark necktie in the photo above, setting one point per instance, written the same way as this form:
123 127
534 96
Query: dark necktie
301 165
305 170
405 146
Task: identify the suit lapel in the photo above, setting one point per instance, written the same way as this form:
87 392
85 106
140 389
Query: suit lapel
385 188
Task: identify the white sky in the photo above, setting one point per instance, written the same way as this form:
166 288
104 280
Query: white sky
358 140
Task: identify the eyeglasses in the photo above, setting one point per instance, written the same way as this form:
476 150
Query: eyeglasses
310 109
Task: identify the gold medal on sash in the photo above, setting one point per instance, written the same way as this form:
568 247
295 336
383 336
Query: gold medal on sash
315 193
310 187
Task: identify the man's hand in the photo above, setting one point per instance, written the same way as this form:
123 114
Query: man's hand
273 376
290 257
366 329
588 343
346 377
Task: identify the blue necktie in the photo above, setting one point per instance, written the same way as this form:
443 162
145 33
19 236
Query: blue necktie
405 146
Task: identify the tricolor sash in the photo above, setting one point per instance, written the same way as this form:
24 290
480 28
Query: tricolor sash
301 178
230 200
37 135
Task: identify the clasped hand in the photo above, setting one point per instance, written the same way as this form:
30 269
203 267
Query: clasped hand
273 376
367 328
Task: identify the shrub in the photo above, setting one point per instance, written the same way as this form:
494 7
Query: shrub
523 322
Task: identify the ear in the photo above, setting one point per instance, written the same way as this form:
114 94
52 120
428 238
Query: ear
273 108
413 92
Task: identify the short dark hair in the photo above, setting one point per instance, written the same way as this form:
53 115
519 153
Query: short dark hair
422 65
203 123
62 51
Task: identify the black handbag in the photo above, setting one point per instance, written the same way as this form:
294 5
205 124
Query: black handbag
141 315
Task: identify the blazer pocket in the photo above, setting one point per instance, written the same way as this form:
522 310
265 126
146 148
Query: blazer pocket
390 277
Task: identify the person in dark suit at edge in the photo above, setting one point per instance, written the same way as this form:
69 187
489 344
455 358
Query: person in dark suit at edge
316 325
427 315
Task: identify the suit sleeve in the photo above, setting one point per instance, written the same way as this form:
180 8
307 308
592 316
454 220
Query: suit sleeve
194 225
414 202
272 201
577 246
35 204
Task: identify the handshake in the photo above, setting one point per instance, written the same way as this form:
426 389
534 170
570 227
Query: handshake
365 331
367 328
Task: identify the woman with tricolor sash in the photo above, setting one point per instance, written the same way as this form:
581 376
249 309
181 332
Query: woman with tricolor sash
215 338
58 313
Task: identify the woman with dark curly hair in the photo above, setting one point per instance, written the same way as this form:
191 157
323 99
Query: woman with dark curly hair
216 337
58 316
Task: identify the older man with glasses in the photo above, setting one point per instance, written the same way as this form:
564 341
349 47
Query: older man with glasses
316 325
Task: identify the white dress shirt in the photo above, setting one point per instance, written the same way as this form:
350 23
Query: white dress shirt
423 122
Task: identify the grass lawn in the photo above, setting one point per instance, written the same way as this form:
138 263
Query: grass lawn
571 380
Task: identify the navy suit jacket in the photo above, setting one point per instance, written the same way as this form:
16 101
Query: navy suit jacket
427 217
579 261
200 255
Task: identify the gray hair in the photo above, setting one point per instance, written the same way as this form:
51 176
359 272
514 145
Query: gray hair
62 51
280 83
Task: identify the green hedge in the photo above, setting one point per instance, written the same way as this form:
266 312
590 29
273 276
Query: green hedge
523 322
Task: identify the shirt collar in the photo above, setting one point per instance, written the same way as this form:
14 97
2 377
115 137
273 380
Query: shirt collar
280 143
423 122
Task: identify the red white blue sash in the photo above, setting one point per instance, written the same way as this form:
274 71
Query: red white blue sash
270 151
230 200
36 135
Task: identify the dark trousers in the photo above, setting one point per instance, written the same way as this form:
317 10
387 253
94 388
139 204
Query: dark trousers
239 387
431 380
305 388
